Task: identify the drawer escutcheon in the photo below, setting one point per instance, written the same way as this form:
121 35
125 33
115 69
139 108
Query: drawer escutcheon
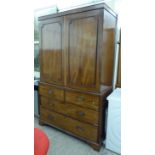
81 113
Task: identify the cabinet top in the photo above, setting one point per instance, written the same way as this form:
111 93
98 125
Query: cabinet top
78 10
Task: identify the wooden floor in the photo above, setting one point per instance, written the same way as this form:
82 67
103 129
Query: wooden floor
63 144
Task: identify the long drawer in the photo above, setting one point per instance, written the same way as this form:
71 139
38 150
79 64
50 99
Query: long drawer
78 128
82 114
84 100
51 91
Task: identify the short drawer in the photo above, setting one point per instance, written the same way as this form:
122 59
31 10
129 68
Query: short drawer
78 128
84 100
51 92
79 113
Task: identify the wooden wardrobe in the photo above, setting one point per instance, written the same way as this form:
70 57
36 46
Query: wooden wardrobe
76 67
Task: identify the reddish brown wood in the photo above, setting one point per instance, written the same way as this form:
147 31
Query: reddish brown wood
95 146
51 92
84 100
71 110
108 44
51 51
118 84
82 46
81 129
76 59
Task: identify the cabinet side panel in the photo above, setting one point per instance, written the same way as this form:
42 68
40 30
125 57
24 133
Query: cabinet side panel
107 54
119 68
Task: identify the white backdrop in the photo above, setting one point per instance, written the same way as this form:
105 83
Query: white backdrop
63 4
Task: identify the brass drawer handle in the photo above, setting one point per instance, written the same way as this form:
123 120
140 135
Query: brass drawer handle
79 128
81 113
50 117
50 92
80 98
94 103
51 103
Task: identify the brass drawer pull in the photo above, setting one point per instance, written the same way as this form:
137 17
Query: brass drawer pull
50 117
50 92
80 98
81 113
94 103
79 128
52 104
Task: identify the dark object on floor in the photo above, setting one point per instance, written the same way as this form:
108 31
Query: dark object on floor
41 142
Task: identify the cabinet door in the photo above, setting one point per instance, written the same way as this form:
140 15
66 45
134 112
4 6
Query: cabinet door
82 50
51 51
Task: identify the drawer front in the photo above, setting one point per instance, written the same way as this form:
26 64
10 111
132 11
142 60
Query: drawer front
82 114
51 92
85 100
76 127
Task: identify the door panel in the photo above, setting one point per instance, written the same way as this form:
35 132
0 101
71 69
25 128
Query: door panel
52 51
82 50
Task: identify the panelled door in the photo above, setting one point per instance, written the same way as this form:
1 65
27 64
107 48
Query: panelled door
81 44
51 51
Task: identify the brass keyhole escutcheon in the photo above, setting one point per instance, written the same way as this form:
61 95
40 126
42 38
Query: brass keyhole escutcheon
80 113
79 128
50 117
